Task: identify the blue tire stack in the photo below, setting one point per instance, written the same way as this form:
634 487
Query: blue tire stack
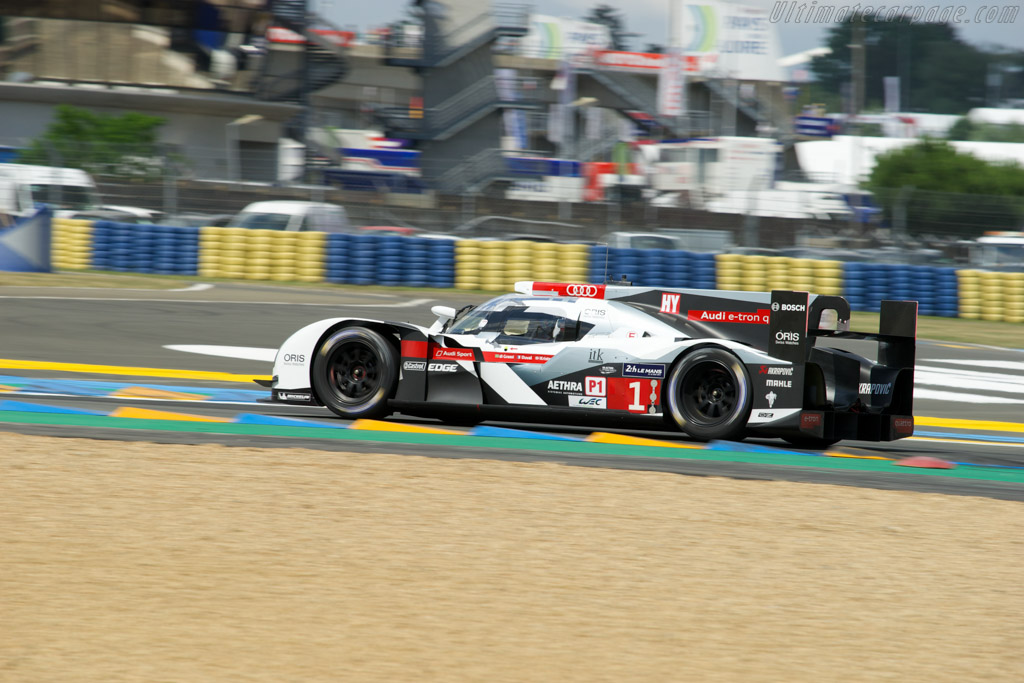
678 271
922 288
947 294
703 271
389 260
652 270
363 259
854 289
175 250
440 270
102 244
338 269
414 260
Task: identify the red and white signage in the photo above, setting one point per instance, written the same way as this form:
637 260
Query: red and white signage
670 303
280 34
440 353
569 289
759 317
515 357
643 62
595 386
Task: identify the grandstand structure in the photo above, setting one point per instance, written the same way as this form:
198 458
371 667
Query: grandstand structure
234 77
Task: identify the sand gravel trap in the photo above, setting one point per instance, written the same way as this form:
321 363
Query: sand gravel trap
136 562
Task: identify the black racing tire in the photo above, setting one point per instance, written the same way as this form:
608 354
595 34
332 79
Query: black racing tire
810 442
354 373
708 395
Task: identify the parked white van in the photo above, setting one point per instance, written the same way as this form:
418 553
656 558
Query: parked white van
65 190
292 216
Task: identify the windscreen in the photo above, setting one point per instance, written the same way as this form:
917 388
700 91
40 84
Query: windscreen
73 197
262 221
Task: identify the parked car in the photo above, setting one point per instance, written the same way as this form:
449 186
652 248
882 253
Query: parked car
198 220
292 216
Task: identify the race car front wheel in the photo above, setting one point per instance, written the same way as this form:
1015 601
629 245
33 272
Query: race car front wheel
354 373
708 395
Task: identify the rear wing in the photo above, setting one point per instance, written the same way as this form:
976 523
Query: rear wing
797 323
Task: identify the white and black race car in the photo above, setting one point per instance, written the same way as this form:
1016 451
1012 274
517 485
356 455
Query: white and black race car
714 364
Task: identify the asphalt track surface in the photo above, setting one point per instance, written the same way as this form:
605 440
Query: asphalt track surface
969 409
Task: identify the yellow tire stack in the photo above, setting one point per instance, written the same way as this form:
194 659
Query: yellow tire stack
310 256
210 245
969 290
1013 294
828 277
234 252
728 270
259 249
71 244
993 306
778 273
493 273
754 274
547 260
572 261
284 256
519 262
467 264
801 275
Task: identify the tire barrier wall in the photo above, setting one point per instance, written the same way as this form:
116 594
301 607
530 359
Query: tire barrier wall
653 267
935 289
495 266
242 254
392 260
127 247
991 296
71 244
751 273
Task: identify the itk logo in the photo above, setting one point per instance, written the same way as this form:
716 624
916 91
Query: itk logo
670 303
596 386
771 396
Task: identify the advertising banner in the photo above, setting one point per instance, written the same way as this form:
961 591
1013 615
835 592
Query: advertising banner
553 37
730 40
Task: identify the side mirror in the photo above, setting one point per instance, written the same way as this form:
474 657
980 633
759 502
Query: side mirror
445 314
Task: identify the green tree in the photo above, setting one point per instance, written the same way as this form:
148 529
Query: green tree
610 17
939 72
122 145
945 191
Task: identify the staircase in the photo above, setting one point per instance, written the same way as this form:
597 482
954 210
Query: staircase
326 61
457 112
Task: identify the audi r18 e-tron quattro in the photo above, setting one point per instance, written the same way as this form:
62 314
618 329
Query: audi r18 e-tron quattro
714 364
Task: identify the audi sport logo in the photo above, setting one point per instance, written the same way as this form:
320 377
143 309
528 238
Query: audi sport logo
581 290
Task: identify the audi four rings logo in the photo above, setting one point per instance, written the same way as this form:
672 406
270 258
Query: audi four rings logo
581 290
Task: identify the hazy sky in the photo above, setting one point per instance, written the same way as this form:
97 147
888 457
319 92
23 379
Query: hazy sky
650 18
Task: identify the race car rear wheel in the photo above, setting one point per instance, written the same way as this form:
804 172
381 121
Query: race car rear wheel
354 373
708 395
